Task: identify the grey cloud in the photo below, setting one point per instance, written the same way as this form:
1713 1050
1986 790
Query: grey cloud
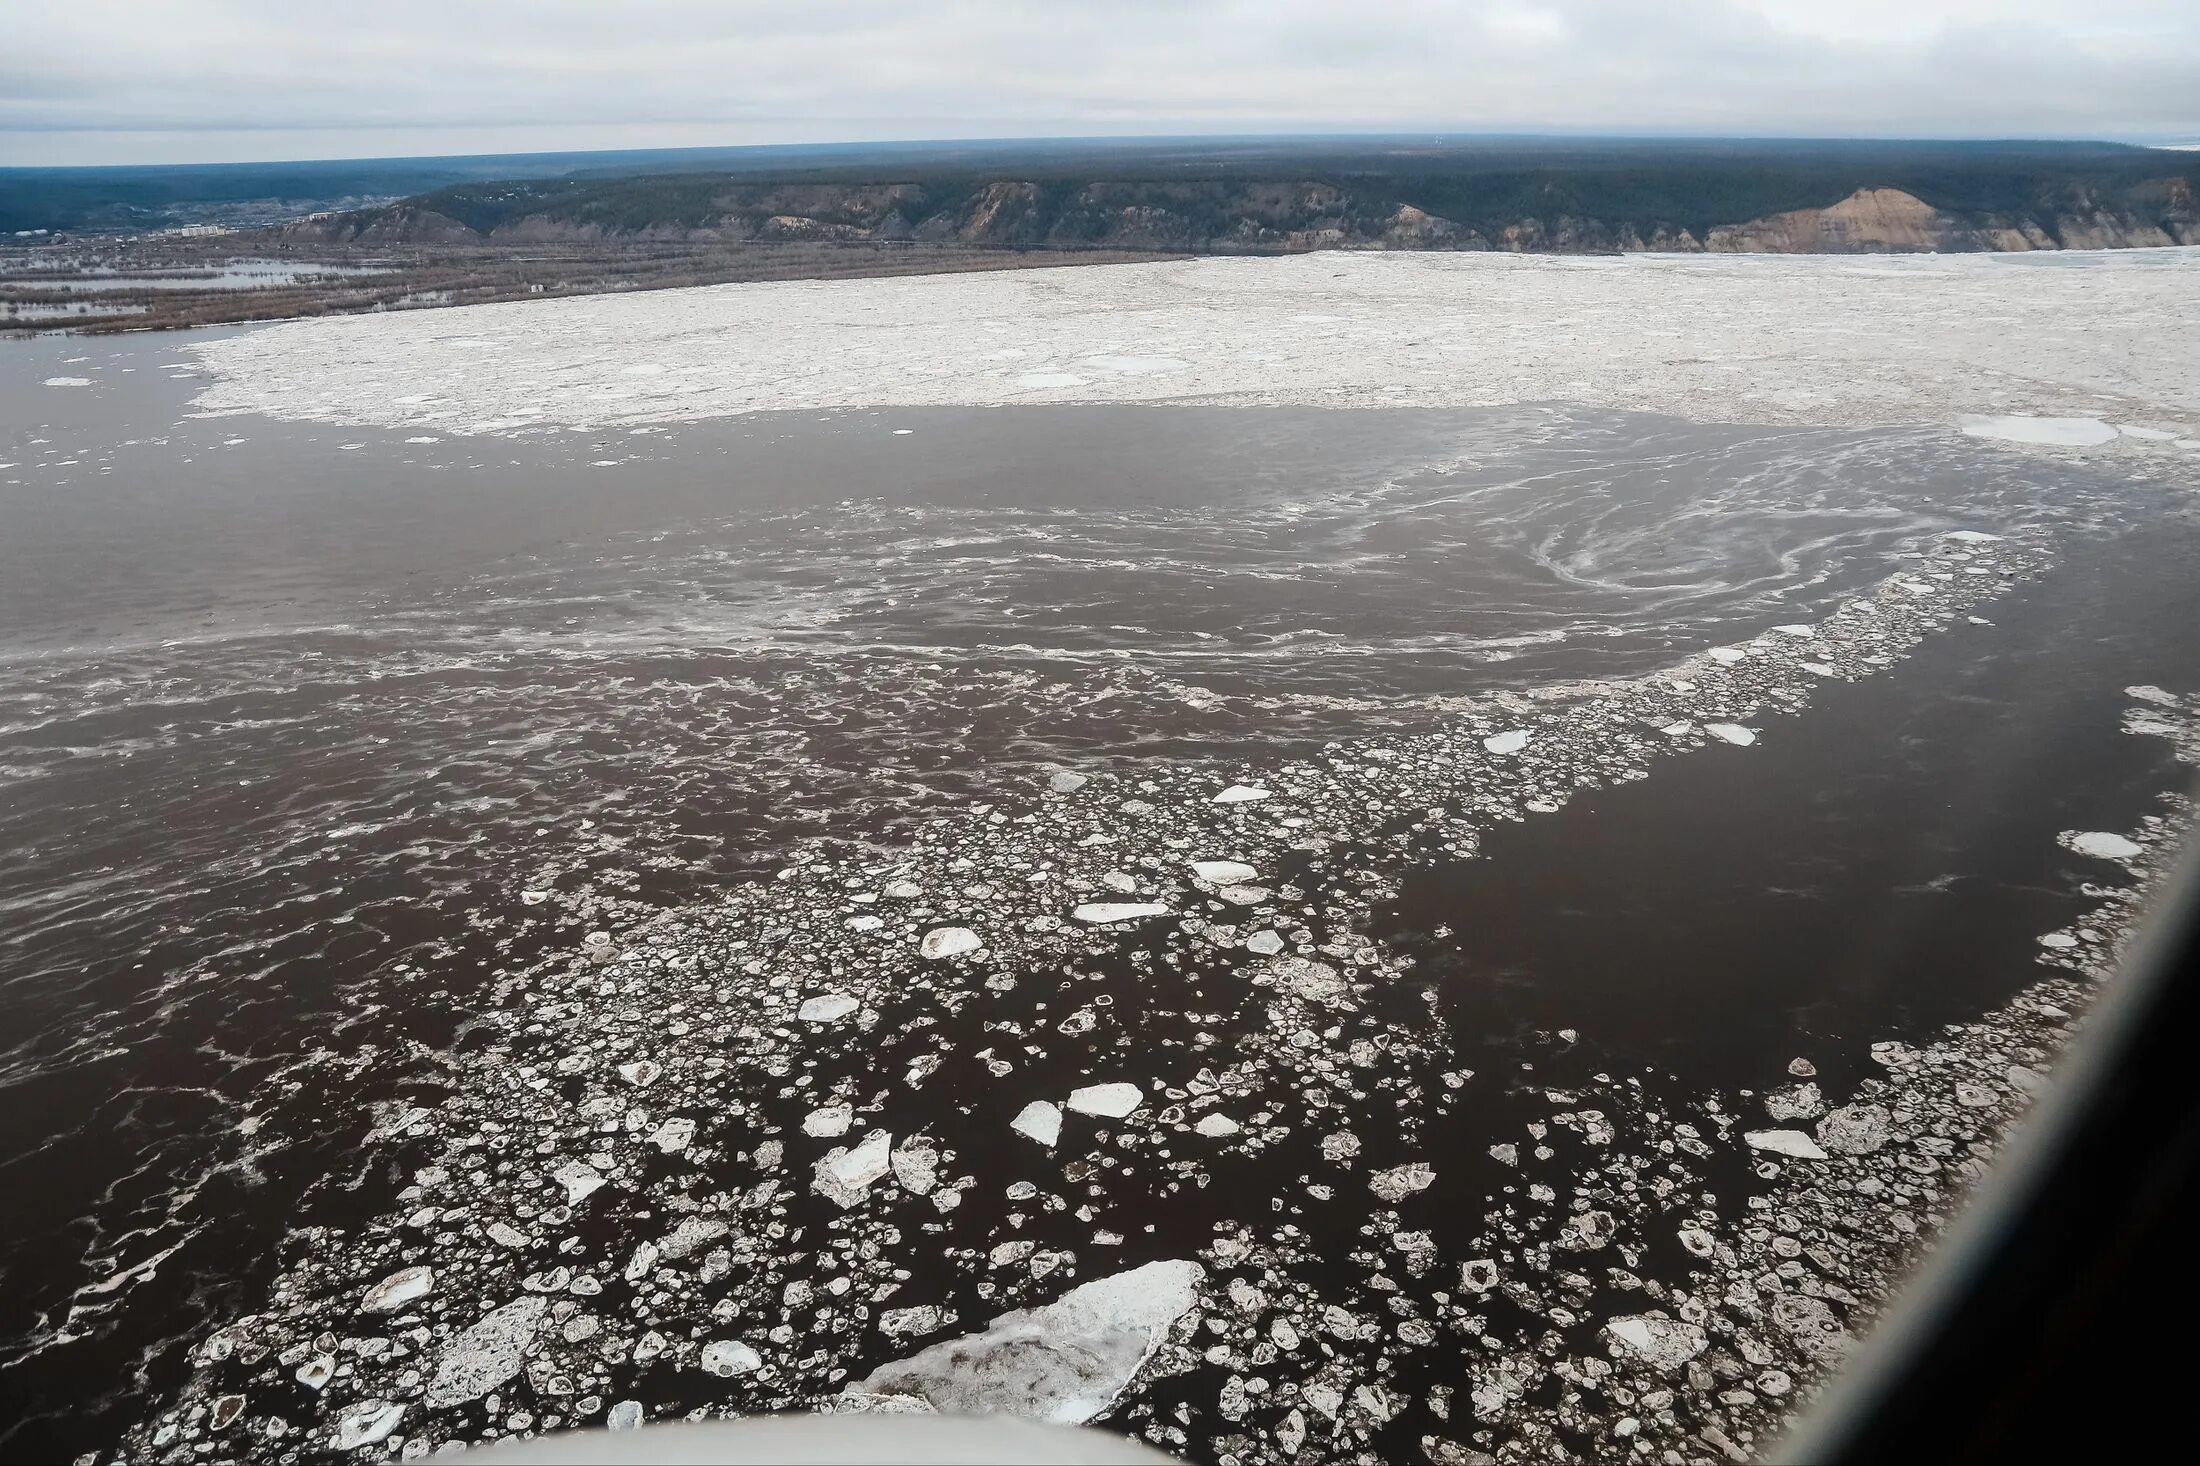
281 79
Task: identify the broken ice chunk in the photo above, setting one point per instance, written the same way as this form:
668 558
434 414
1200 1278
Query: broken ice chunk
832 1120
398 1289
948 941
1854 1129
1316 982
1400 1182
1101 913
2102 845
1240 793
1039 1120
579 1180
1733 733
1508 742
846 1174
371 1422
1796 1102
1662 1343
1066 1362
1110 1101
487 1354
923 1319
1217 1126
729 1357
829 1008
1728 654
1785 1142
917 1165
1223 872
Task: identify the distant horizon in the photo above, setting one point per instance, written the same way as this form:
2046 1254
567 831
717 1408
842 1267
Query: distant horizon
1341 133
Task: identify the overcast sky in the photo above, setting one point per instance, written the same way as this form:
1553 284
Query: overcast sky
105 81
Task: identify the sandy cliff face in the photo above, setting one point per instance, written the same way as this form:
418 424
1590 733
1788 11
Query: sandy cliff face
1869 221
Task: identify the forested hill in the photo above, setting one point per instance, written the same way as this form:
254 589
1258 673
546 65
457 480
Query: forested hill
1515 195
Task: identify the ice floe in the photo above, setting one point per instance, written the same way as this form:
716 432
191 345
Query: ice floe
2053 432
1792 1143
1110 1101
948 941
1919 338
1105 913
828 1008
487 1354
1039 1120
1065 1362
2102 844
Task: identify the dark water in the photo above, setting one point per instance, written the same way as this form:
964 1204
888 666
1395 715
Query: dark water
1883 869
290 716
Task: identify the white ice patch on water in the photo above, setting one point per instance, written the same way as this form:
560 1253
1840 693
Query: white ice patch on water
2102 845
1066 1362
828 1008
1040 1121
406 1285
1102 913
727 1358
487 1354
2051 432
368 1423
68 381
1733 733
1511 741
846 1174
948 941
1108 1101
1661 1343
1919 339
1791 1143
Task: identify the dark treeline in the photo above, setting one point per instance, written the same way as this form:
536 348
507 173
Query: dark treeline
1481 187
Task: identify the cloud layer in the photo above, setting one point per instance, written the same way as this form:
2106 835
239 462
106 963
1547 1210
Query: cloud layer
119 80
